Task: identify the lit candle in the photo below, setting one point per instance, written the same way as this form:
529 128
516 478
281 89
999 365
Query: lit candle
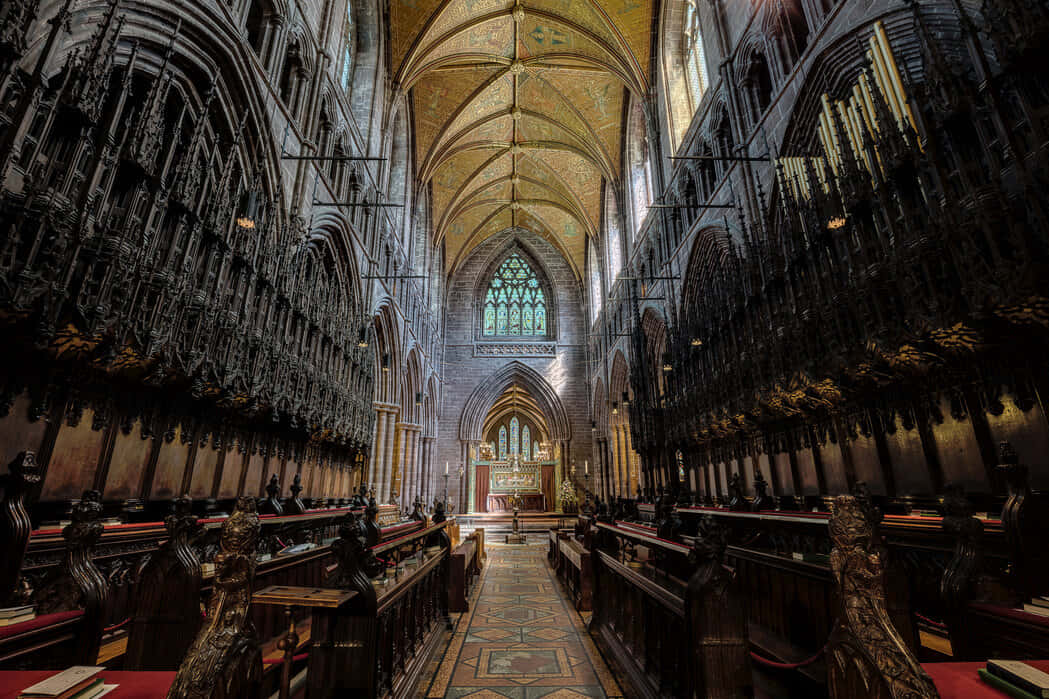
586 467
446 468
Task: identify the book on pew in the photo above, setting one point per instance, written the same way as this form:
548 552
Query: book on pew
1035 609
16 615
77 682
1007 687
1022 675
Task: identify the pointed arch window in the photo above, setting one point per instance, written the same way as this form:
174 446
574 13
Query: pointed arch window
515 303
346 62
695 57
502 442
526 443
515 436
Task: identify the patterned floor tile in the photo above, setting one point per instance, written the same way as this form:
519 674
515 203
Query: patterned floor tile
520 639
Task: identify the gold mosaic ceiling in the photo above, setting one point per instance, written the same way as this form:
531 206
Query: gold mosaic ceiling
518 108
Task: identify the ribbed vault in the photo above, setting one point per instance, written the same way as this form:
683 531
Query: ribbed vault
518 108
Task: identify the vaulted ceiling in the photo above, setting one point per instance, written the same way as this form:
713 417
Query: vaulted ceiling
518 109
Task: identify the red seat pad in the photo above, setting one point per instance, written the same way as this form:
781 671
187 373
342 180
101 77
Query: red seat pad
961 681
133 685
39 622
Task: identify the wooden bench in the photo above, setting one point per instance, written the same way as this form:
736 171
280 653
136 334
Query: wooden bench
465 565
575 572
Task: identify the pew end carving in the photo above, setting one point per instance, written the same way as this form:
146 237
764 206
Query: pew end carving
866 655
224 661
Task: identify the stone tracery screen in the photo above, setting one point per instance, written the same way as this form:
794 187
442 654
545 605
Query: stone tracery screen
515 303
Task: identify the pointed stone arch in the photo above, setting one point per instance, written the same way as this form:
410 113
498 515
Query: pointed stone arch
471 422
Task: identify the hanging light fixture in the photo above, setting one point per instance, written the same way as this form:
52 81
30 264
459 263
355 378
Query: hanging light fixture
696 342
362 337
419 398
247 220
386 362
626 399
615 408
667 366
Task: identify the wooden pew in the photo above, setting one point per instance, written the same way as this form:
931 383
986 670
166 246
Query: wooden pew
70 601
464 567
575 572
377 645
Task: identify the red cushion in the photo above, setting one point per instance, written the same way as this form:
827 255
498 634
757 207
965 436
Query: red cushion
1011 613
133 685
961 681
39 622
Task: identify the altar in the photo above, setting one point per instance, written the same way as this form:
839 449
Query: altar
530 502
493 483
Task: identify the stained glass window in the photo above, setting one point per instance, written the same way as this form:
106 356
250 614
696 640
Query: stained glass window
596 297
515 437
346 69
514 304
640 167
502 442
526 443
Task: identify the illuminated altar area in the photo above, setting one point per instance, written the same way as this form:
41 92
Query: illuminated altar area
515 459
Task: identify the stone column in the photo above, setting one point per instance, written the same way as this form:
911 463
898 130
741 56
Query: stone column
399 459
413 467
375 462
631 463
382 487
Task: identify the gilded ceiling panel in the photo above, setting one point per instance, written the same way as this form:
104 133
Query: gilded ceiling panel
528 133
436 99
598 99
407 19
453 173
473 226
494 37
459 13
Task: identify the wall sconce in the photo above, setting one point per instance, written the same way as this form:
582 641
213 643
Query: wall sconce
696 342
362 337
667 366
419 398
615 408
626 399
835 223
386 362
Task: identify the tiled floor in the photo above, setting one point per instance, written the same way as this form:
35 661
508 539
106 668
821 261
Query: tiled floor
520 639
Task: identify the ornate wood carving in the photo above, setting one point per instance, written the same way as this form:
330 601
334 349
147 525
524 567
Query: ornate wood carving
1025 518
866 656
166 606
224 661
15 525
272 504
80 584
295 506
714 612
959 577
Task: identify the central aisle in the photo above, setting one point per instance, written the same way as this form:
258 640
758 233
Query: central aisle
521 639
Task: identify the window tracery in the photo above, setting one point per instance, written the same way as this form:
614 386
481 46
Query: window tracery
612 236
515 436
515 303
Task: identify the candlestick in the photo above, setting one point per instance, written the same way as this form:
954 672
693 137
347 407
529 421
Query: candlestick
446 468
586 467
